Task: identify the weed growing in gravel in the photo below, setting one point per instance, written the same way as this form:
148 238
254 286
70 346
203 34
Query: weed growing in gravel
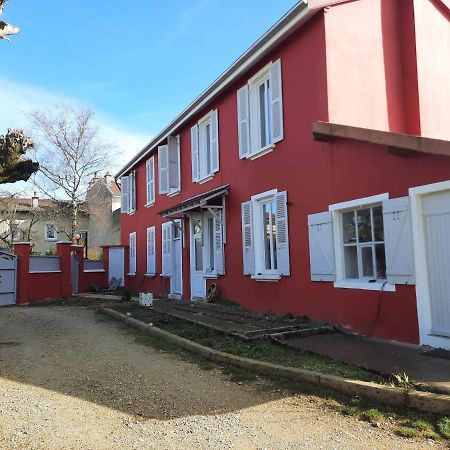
351 411
407 432
443 426
372 415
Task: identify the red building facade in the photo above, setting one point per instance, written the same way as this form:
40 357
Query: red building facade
341 224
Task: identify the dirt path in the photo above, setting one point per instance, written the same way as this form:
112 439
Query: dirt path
69 380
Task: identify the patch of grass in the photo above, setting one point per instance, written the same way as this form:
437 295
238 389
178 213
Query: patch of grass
226 303
443 425
238 375
372 415
421 425
351 410
407 432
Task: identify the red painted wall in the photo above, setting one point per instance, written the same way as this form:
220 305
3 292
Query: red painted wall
315 175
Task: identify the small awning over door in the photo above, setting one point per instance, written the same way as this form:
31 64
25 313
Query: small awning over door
199 201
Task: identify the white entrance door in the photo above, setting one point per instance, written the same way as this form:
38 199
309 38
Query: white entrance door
436 213
116 264
198 281
176 277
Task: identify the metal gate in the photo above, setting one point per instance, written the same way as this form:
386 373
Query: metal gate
74 266
8 278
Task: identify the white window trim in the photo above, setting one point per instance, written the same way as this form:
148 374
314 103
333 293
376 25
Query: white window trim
341 282
202 123
264 151
260 273
54 239
132 274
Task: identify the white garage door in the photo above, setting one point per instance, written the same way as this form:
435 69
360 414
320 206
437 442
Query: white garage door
436 211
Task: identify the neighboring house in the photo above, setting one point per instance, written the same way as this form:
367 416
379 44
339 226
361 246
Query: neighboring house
312 177
102 204
43 222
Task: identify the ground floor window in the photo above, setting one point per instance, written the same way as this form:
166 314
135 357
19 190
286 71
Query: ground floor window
363 242
265 235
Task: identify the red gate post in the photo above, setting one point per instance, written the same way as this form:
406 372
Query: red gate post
64 250
23 251
79 250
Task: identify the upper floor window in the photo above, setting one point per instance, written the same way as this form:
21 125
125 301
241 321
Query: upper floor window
169 166
260 112
51 232
128 193
205 147
150 180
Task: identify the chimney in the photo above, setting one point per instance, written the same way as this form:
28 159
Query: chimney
34 200
108 179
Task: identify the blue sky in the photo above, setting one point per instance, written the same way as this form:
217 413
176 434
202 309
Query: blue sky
136 63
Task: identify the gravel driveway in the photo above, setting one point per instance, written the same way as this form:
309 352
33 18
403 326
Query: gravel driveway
69 380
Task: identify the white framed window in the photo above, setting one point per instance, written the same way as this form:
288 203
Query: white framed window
128 193
260 112
51 232
205 147
212 243
363 244
132 253
266 236
169 166
151 253
150 180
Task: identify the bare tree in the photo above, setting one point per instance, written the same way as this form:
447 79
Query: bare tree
69 151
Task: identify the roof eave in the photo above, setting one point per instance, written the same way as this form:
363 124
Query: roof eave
287 25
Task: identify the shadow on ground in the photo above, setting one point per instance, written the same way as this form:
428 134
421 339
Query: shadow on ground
74 351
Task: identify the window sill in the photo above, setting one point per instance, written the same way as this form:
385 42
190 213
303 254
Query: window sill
205 180
365 285
46 271
131 213
94 271
149 205
131 274
172 194
266 277
211 276
149 275
263 151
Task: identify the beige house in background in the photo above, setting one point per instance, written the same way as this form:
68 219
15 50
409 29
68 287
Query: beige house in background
44 222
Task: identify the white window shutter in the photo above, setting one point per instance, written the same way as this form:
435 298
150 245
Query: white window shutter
150 180
282 234
195 154
321 247
214 141
174 163
125 194
219 265
248 247
151 257
243 122
132 253
398 241
277 101
132 179
167 248
163 169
